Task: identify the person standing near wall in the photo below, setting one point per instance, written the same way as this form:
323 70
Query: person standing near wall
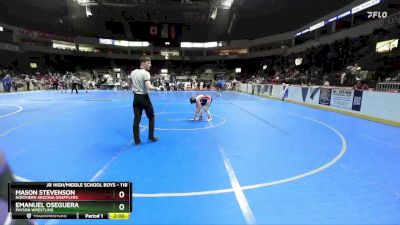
7 83
28 83
75 82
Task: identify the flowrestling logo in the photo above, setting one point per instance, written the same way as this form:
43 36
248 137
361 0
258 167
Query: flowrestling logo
377 14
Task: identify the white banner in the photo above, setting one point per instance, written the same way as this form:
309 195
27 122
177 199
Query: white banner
342 98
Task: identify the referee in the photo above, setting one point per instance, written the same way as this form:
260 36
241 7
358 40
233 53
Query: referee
140 86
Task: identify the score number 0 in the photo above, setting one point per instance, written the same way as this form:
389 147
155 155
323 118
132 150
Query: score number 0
121 194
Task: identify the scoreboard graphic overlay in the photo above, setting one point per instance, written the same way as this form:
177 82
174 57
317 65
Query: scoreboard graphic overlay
70 200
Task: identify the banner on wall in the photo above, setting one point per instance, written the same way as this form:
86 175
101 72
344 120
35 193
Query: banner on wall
266 89
341 98
285 92
44 35
313 91
304 92
263 89
325 96
357 100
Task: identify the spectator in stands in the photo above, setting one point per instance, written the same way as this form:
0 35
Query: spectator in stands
63 84
351 74
355 72
34 83
28 83
361 85
75 82
397 77
43 83
85 84
234 81
220 85
125 85
14 83
343 77
2 76
6 83
208 85
191 83
54 82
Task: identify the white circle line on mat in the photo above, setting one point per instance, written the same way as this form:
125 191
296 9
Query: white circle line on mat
254 186
20 108
188 129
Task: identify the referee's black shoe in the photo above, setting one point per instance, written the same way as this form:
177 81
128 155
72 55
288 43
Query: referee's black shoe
137 142
153 139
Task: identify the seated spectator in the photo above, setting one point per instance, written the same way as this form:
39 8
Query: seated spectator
361 85
14 83
125 85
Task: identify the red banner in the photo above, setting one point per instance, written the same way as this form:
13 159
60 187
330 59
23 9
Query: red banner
40 34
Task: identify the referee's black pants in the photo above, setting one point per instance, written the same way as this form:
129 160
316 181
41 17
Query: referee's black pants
140 102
